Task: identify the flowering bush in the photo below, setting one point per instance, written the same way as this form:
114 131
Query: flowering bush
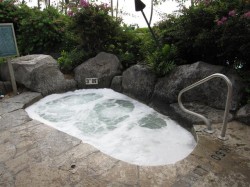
97 31
217 32
247 15
93 25
84 4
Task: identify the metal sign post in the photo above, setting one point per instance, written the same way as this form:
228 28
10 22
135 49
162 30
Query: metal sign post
8 48
12 77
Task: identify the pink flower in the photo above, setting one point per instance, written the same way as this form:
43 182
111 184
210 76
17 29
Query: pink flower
84 3
232 13
105 5
247 14
219 22
70 13
223 19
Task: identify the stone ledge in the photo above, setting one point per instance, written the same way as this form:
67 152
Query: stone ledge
20 101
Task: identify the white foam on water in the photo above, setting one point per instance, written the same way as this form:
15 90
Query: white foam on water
116 125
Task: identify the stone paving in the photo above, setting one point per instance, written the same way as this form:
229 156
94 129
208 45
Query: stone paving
33 154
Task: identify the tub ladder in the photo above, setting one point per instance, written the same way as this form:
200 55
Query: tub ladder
227 107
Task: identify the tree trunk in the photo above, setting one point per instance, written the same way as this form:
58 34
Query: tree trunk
117 5
47 3
152 10
112 8
38 4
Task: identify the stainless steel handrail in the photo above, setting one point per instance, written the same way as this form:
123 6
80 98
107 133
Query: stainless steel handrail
227 107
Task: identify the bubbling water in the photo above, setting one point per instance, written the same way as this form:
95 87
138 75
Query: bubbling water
116 125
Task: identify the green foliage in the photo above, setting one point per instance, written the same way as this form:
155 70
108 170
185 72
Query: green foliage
2 60
36 31
69 60
148 44
97 31
217 32
126 45
9 13
94 27
161 61
46 27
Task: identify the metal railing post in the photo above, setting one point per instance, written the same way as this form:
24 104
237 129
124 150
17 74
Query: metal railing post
227 107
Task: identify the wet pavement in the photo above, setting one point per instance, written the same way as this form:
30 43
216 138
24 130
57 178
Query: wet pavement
34 154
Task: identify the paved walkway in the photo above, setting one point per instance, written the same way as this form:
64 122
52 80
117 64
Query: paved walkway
33 154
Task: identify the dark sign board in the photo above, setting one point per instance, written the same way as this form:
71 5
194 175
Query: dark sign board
8 46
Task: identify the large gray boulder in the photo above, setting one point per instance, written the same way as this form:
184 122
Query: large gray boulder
212 114
104 67
138 82
243 114
49 79
212 93
116 84
24 65
39 73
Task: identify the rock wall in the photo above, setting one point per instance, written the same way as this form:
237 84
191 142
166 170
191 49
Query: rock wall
212 93
138 82
208 99
40 73
243 114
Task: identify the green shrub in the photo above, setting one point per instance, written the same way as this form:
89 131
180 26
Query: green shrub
94 27
11 13
126 45
2 60
42 31
36 31
97 31
217 32
69 60
161 61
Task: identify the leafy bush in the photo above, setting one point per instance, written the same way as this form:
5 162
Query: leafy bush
126 45
2 60
94 27
10 13
217 32
69 60
161 61
36 31
42 31
98 31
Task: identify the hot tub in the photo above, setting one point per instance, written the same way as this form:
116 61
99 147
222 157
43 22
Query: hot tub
116 125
